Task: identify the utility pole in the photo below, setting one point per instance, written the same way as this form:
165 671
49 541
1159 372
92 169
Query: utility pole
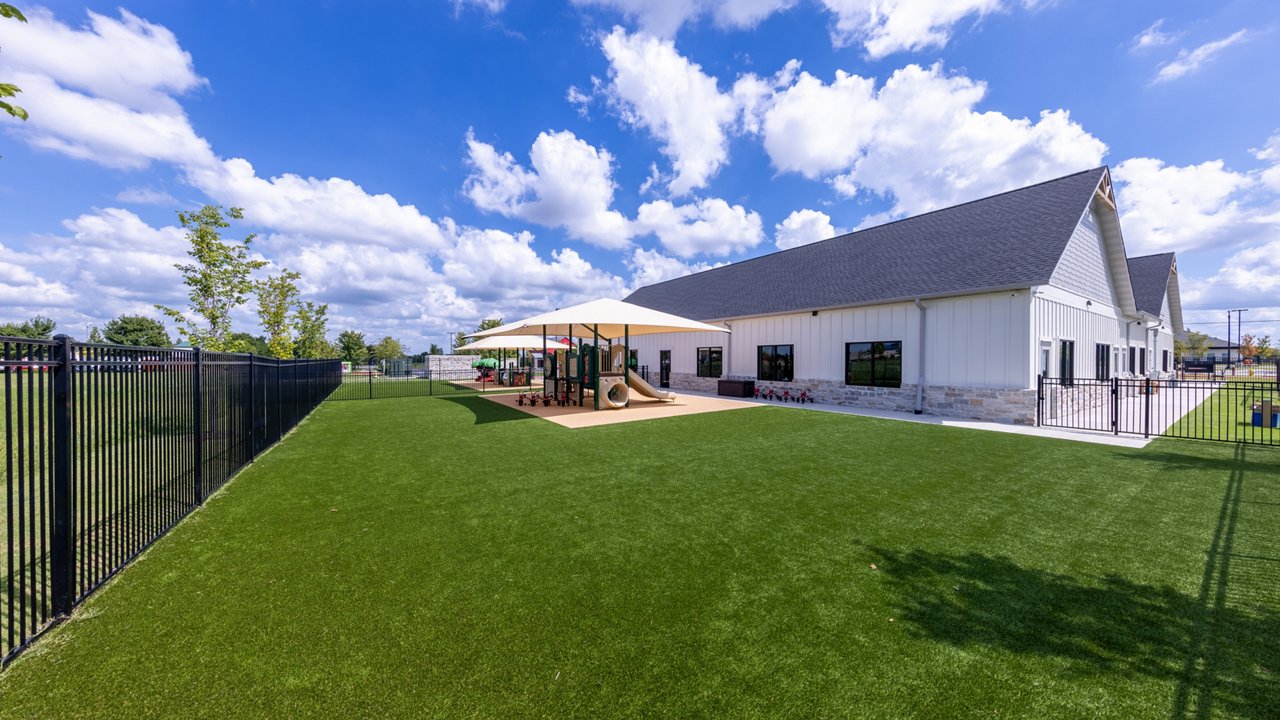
1239 331
1228 337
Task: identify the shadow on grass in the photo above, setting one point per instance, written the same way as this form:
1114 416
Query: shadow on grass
487 411
1221 648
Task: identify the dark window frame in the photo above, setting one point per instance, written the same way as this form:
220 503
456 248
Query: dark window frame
1067 361
1133 360
1102 361
773 369
1164 361
880 370
713 367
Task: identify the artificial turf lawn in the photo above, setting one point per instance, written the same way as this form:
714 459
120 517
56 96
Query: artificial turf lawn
452 557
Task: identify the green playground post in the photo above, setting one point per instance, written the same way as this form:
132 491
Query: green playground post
595 366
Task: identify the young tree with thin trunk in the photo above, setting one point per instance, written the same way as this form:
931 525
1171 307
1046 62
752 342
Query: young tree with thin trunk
1248 347
277 296
218 279
1195 345
310 324
388 348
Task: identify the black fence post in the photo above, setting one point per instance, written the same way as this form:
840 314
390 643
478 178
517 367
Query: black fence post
1115 405
253 409
1146 409
370 374
197 404
62 569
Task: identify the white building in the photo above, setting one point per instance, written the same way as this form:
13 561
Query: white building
953 312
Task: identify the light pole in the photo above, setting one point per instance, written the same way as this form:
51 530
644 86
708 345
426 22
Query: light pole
1239 331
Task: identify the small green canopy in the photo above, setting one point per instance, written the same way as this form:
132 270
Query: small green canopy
485 363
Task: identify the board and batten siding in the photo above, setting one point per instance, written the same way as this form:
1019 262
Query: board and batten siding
973 341
1059 315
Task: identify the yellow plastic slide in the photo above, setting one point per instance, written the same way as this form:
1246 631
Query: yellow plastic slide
644 388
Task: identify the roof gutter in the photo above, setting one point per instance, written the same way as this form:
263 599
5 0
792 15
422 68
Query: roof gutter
992 290
920 375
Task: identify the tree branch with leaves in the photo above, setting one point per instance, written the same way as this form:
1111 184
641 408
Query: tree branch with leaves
8 90
277 296
310 323
218 279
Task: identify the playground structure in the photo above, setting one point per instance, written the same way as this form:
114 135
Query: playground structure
604 373
496 371
597 366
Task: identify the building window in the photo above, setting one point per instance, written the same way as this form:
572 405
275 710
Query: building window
878 364
1133 360
1102 353
1164 361
1046 352
1067 361
775 362
1142 360
710 362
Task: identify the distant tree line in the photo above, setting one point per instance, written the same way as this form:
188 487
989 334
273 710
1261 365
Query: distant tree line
219 280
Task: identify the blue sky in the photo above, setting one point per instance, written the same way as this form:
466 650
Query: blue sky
428 164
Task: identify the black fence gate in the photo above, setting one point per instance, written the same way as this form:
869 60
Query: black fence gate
106 447
1241 407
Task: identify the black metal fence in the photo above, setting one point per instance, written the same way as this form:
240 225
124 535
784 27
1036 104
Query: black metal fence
1240 410
1213 368
107 447
368 384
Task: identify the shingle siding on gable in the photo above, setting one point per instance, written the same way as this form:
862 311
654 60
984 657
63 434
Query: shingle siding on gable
1083 266
1165 316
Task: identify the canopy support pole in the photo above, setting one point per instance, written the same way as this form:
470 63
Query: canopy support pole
626 359
545 365
595 366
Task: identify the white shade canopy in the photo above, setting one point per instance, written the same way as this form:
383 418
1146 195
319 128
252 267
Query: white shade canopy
514 342
612 318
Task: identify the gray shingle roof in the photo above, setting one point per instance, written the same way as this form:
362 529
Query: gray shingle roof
1013 239
1149 276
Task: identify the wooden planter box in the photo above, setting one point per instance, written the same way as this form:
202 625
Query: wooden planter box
736 388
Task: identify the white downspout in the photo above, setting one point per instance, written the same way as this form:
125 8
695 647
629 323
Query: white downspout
727 370
920 374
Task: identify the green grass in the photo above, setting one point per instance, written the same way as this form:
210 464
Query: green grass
451 557
1227 414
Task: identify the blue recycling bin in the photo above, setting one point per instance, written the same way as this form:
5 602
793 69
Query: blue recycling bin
1257 419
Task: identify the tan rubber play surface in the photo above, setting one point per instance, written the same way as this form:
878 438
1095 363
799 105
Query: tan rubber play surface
641 408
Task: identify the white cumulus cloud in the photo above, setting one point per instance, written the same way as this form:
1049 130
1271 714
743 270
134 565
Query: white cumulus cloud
919 138
708 226
888 26
663 18
1170 207
570 186
802 227
653 87
650 266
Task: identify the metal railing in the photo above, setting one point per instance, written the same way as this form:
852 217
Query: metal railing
107 447
367 384
1240 410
